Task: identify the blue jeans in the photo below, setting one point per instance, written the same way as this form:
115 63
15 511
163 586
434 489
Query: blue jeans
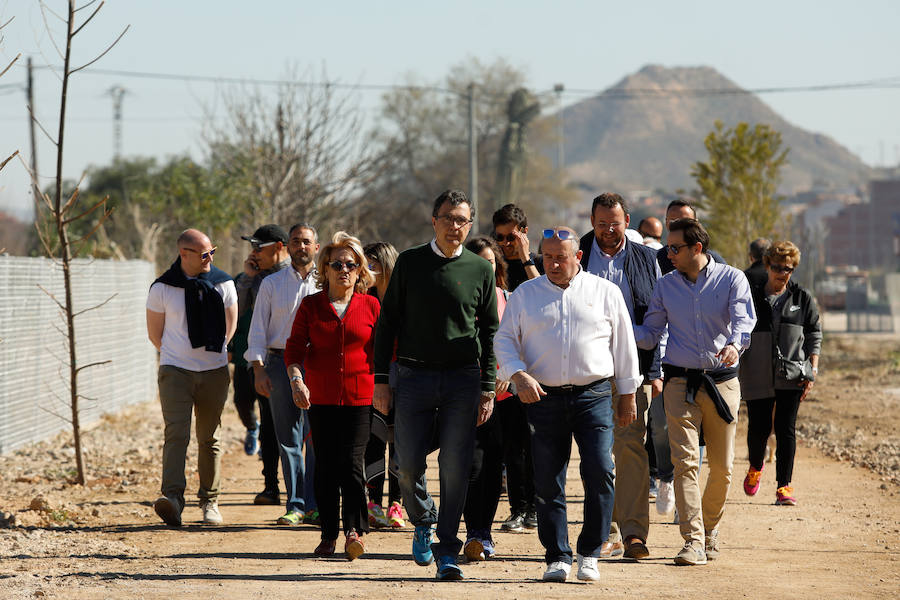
665 471
554 421
291 429
436 406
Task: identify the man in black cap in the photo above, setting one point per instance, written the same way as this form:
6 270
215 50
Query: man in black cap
277 300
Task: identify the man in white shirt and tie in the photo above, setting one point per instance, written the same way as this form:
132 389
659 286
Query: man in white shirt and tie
563 338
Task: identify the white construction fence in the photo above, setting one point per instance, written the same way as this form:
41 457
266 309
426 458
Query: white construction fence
34 373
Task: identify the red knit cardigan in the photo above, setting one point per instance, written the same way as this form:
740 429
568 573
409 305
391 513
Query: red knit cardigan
336 354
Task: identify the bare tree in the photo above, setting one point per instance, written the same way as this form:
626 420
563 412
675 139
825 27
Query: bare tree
65 212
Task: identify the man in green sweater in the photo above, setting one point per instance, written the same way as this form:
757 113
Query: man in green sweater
441 309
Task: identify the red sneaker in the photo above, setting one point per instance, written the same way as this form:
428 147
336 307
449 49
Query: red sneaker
751 481
785 496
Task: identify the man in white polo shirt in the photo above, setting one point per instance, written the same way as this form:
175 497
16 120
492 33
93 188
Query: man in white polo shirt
191 315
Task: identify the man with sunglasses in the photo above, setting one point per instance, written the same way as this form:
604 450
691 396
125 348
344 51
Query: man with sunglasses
440 309
276 304
608 253
680 208
564 338
709 313
191 315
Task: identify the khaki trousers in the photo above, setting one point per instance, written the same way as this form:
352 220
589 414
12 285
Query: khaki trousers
697 515
631 510
182 392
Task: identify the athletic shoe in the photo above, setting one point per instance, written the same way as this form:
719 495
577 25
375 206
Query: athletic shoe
395 516
353 545
611 549
211 514
268 497
251 441
325 548
557 572
751 481
690 555
291 518
376 516
421 547
515 522
312 518
784 496
473 549
665 497
654 489
169 510
587 568
488 544
712 544
530 520
447 569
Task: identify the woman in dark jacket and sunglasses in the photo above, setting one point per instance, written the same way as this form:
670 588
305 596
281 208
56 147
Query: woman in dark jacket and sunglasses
779 368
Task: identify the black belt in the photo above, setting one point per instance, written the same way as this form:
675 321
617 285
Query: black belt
708 378
434 366
276 351
558 390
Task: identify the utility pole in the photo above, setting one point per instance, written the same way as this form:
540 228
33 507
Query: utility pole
29 90
473 160
560 134
117 92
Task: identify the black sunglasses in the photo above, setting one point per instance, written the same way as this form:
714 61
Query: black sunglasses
509 237
561 234
781 269
674 248
338 266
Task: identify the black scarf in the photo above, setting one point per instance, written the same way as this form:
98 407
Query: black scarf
203 306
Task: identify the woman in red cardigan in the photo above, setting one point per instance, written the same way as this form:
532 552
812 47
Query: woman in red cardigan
332 340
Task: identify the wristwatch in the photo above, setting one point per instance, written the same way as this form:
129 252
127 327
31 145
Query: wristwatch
296 378
528 263
488 395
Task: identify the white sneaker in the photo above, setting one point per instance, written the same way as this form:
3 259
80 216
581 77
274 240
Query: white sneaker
211 514
665 498
587 568
557 571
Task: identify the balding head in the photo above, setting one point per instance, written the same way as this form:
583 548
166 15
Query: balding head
651 227
192 245
190 238
561 257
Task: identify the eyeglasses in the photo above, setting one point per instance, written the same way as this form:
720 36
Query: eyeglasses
205 255
338 266
605 225
674 248
458 222
257 246
781 269
561 234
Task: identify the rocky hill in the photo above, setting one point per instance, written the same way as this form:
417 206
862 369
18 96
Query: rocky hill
638 134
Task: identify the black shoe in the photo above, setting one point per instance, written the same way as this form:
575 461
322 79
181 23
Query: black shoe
530 520
268 497
515 522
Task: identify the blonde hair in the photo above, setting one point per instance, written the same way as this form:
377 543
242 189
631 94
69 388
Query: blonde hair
341 241
782 252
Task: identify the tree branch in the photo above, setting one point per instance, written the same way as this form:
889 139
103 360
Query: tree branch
52 297
81 312
44 10
88 211
110 47
9 66
88 20
3 164
93 364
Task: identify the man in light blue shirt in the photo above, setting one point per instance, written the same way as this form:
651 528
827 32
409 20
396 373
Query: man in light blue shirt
709 313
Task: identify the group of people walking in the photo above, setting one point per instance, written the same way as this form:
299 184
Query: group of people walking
498 359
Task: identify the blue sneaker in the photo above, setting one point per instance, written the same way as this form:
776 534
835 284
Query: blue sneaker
488 544
251 441
447 569
421 549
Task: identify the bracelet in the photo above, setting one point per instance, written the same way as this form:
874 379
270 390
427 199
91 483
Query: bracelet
296 378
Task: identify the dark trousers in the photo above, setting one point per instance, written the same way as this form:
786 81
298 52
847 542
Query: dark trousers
555 420
785 404
375 452
486 479
268 443
517 454
340 435
245 396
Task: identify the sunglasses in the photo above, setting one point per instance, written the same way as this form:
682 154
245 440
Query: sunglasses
509 237
781 269
674 248
560 234
338 266
257 246
205 255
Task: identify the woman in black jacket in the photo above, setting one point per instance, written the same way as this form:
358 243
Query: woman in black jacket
779 368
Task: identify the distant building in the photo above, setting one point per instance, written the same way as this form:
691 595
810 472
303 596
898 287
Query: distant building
864 234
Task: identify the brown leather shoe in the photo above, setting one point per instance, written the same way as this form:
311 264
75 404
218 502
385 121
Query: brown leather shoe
325 548
635 549
354 546
610 549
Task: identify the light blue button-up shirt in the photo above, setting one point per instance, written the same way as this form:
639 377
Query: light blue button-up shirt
702 317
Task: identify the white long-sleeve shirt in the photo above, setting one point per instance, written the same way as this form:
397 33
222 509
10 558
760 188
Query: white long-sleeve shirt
273 314
569 336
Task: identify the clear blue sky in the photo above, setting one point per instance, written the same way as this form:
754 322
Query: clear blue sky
584 45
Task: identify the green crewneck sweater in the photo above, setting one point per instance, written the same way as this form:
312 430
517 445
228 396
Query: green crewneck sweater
442 312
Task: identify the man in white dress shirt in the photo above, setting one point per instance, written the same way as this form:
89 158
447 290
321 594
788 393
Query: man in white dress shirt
563 338
273 316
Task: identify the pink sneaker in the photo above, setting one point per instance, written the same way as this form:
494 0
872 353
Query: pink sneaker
376 516
751 481
395 516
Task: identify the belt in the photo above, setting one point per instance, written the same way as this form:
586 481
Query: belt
434 366
558 390
708 378
276 351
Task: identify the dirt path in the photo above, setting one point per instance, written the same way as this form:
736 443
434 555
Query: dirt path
104 541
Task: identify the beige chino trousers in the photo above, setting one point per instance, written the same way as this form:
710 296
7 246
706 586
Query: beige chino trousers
631 509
